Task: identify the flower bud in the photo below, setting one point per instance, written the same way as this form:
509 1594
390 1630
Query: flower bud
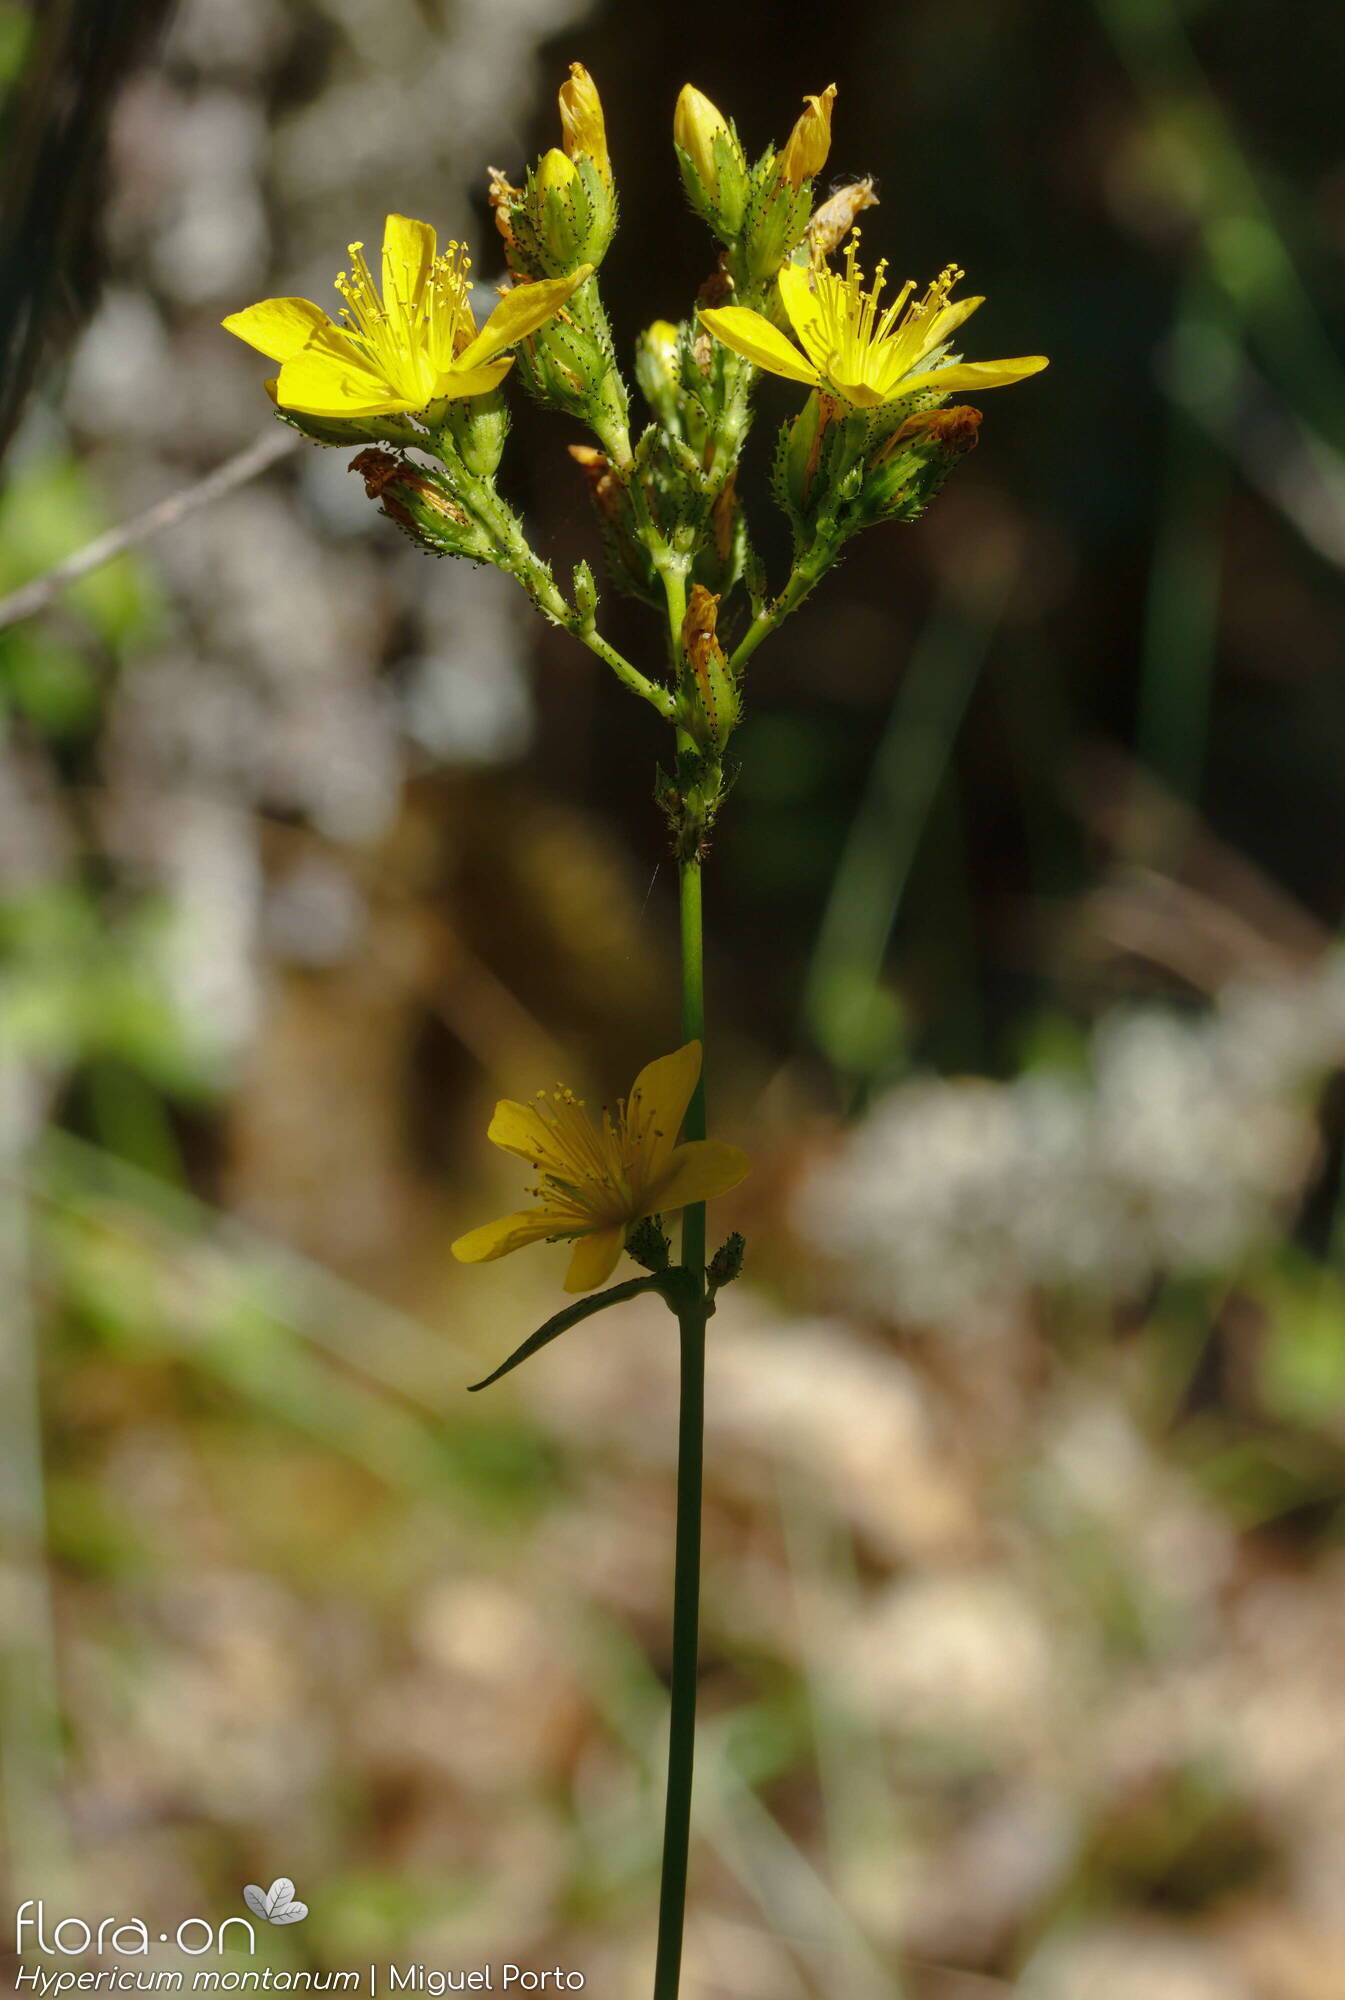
727 1262
478 427
648 1244
799 454
658 371
808 145
714 710
568 364
565 214
908 469
712 162
585 592
582 124
422 504
563 217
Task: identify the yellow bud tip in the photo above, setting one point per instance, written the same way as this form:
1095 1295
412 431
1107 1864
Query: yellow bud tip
583 128
806 150
696 125
554 172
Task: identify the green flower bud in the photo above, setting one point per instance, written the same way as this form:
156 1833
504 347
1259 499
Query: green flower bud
648 1244
585 592
711 705
478 427
658 371
563 216
711 161
727 1262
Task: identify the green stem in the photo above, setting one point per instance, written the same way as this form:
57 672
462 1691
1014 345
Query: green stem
691 1319
661 698
808 572
502 524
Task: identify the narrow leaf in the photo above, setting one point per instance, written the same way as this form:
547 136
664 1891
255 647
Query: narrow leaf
615 1295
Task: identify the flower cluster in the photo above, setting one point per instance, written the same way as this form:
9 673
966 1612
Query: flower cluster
408 373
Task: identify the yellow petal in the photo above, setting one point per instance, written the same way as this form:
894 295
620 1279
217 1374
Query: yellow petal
659 1097
457 382
521 1130
408 254
331 379
277 328
806 149
595 1258
976 374
752 336
508 1232
699 1171
798 293
948 321
862 395
520 312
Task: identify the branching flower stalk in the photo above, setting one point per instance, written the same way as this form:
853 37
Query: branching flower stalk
404 373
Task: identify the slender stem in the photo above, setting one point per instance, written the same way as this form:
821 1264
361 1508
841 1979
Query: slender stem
502 523
690 1457
807 573
661 698
693 1024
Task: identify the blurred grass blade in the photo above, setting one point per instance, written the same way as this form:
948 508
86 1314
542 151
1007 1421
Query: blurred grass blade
1182 609
847 1010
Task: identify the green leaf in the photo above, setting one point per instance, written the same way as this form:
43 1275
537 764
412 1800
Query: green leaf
597 1302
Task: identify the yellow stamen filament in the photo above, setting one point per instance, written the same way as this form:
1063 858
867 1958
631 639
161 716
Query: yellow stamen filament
604 1169
411 334
864 341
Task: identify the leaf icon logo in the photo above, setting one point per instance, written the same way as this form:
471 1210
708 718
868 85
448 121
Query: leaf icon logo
275 1905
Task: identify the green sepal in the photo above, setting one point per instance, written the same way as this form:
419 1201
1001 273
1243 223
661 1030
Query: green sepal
727 1262
724 205
775 222
352 430
554 229
647 1242
569 364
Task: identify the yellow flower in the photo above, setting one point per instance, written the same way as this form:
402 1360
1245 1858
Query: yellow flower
697 123
808 144
581 121
856 351
415 345
597 1179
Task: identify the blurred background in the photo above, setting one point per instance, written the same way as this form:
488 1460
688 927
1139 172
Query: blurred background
1025 1587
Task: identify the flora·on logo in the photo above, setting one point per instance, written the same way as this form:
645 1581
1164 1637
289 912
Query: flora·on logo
276 1904
126 1936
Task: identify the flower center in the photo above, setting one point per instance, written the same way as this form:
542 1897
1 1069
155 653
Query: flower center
867 342
411 335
